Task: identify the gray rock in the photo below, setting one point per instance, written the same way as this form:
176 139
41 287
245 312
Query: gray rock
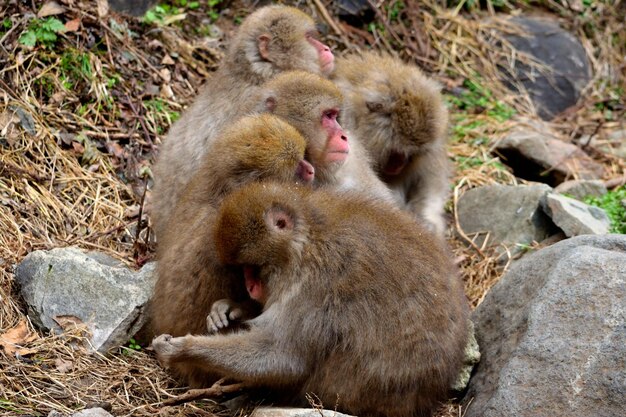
354 11
93 287
132 7
568 69
575 217
614 143
88 412
579 189
552 333
535 154
511 214
92 412
295 412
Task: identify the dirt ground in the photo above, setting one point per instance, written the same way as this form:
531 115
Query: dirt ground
87 95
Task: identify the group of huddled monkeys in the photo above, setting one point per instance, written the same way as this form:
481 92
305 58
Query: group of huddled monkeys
300 255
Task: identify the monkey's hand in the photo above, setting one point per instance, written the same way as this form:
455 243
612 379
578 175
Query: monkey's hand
167 348
222 313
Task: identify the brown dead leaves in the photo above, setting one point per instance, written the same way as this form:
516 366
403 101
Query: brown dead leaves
14 340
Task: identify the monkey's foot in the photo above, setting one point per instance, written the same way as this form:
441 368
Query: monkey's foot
222 313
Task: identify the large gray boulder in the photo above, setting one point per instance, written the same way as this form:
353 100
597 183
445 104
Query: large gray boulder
93 287
566 70
510 215
552 333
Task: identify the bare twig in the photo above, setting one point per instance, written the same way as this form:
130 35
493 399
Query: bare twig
217 390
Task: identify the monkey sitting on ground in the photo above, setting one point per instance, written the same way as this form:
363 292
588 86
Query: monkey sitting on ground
271 40
402 121
190 278
361 305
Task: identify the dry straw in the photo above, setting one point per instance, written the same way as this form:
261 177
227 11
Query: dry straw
75 159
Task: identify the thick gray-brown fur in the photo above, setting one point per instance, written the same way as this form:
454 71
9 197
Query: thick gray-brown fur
221 100
393 108
364 307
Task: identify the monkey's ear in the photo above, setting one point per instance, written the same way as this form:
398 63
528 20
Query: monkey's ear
279 219
375 107
263 44
270 104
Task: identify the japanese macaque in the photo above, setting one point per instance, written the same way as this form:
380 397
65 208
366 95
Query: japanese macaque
361 305
312 105
399 115
271 40
190 278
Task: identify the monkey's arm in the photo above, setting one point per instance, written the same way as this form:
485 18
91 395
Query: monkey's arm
429 188
253 356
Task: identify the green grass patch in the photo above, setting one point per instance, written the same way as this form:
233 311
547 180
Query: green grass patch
614 203
42 32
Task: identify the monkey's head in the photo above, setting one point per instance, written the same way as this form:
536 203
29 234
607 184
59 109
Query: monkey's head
311 104
258 226
266 147
397 108
279 38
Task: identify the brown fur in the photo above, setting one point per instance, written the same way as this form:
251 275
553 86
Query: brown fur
190 279
394 107
300 98
222 98
364 306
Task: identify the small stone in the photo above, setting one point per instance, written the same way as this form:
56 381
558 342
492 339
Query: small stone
575 217
580 189
510 215
535 154
295 412
90 287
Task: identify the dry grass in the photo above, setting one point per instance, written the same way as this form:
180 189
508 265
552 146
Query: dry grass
76 149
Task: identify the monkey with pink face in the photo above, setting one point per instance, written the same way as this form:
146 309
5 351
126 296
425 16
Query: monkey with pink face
361 305
271 40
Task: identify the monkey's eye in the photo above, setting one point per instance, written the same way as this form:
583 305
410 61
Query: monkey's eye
312 34
330 114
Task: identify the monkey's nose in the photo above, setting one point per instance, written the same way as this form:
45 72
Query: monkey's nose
344 138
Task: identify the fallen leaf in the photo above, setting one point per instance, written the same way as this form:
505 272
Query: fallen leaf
103 7
78 148
167 60
63 366
72 25
68 322
50 8
12 340
166 75
115 149
166 91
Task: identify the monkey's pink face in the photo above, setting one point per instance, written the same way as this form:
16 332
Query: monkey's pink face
326 57
337 146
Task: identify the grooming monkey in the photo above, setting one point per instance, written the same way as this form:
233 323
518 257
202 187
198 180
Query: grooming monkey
271 40
312 105
360 303
399 115
190 278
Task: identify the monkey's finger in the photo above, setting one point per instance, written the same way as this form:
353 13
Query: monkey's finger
213 323
235 314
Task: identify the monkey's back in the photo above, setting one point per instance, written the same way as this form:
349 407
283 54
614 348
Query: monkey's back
398 310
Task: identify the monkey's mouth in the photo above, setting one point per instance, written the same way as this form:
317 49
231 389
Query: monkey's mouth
395 163
253 282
